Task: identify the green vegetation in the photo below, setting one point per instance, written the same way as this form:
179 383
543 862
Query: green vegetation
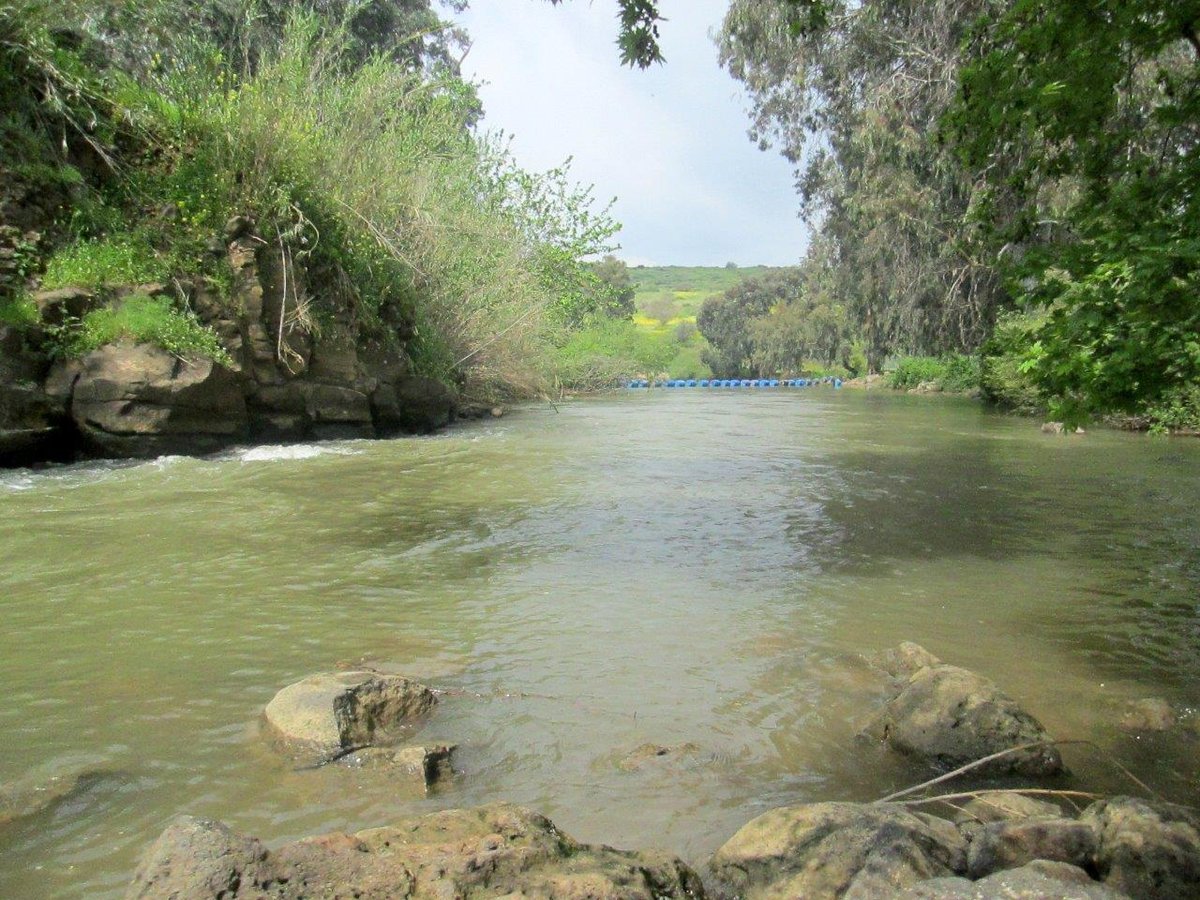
956 372
1030 187
19 311
107 262
344 139
153 320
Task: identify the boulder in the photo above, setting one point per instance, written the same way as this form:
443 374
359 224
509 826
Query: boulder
904 661
1010 845
1006 806
489 851
828 850
1149 714
426 765
951 717
330 712
139 400
59 306
1148 850
412 404
1039 880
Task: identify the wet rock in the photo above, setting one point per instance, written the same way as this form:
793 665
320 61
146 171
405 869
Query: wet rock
412 404
139 400
1053 428
1010 845
329 712
1006 806
649 753
1039 880
838 850
904 661
427 765
237 227
1150 714
1148 850
489 851
951 717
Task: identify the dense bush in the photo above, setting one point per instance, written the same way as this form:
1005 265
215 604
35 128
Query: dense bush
1004 377
154 320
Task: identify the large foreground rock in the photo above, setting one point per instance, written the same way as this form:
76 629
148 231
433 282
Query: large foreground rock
491 851
139 400
838 850
1147 850
951 716
1038 880
330 712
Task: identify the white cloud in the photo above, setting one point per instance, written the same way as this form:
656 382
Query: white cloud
668 142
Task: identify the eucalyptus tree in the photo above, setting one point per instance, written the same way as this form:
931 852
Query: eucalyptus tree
852 93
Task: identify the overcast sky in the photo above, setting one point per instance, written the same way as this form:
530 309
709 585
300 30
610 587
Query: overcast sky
670 142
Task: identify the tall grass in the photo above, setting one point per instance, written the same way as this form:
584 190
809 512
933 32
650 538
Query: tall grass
372 175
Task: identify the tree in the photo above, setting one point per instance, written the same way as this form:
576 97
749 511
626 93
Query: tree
617 286
661 306
1101 101
853 93
726 321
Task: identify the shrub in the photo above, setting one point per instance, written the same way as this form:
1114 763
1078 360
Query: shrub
1177 411
688 363
1003 369
609 350
912 371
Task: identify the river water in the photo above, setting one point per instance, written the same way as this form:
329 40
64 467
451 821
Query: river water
662 567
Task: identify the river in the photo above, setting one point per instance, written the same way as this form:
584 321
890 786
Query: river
666 567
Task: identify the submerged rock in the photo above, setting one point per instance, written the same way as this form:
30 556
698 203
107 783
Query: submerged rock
1148 850
1038 880
490 851
1149 714
425 765
648 753
835 850
334 711
905 660
951 717
37 794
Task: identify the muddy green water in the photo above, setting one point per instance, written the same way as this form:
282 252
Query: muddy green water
663 567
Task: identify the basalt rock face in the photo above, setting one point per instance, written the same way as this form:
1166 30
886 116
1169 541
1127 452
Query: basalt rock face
287 379
490 851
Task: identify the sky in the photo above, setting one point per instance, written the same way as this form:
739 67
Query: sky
669 142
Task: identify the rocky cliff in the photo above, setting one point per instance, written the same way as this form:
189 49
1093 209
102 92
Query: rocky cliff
288 377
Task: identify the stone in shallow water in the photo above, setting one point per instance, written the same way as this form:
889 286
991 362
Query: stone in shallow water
489 851
1010 845
36 794
426 765
904 661
334 711
836 850
951 717
1150 714
645 754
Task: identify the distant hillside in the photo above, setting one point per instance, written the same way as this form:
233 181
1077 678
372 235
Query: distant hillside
690 285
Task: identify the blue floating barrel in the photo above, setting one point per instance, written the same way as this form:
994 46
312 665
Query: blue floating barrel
703 382
774 382
691 382
837 382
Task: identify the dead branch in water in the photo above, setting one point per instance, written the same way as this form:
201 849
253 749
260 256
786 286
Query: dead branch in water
1019 749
